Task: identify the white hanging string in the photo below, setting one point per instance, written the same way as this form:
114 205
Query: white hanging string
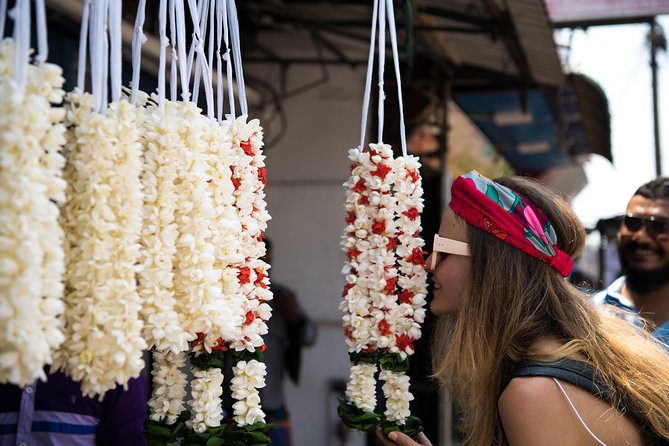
42 43
382 63
173 42
94 38
212 24
138 39
181 49
83 40
220 4
368 80
202 11
202 61
228 60
104 57
162 32
3 13
396 61
116 42
237 54
21 15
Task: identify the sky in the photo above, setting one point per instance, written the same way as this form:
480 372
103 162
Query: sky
618 58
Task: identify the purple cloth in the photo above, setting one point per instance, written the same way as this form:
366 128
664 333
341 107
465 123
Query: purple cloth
56 413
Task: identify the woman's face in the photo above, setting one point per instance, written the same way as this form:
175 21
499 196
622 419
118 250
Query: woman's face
451 274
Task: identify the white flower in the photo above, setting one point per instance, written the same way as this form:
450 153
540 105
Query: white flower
169 386
361 388
206 391
31 187
248 378
102 219
396 392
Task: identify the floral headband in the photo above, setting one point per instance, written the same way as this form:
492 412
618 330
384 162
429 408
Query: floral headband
508 216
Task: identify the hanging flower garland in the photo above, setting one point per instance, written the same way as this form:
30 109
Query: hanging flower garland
385 291
102 218
31 187
406 317
249 179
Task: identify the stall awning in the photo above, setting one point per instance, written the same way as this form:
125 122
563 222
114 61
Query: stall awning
541 128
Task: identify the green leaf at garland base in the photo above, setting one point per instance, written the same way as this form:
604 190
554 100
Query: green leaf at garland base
394 363
356 418
360 358
411 428
205 361
245 355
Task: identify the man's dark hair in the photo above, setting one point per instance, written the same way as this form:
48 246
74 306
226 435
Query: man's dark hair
655 189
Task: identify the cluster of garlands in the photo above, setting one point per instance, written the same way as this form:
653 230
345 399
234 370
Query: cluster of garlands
203 280
159 244
31 188
385 289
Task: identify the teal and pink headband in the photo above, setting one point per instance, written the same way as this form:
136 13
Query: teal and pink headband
508 216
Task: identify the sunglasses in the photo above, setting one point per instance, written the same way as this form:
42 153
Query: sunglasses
655 226
443 245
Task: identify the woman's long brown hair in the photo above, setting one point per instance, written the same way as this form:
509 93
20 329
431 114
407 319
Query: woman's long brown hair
514 300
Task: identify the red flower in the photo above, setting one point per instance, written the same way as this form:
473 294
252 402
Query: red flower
363 199
352 253
246 147
378 226
359 187
412 213
390 285
260 273
347 287
350 218
348 333
263 348
381 171
406 296
244 275
220 345
414 175
262 175
392 243
260 237
403 341
249 317
368 349
384 327
416 257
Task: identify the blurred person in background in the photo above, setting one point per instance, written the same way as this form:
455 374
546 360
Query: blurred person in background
643 247
290 329
56 413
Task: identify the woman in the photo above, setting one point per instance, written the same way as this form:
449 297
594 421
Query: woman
523 354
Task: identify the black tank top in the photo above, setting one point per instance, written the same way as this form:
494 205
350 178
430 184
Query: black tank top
584 376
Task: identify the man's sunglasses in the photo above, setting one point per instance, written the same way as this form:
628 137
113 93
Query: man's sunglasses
655 226
446 246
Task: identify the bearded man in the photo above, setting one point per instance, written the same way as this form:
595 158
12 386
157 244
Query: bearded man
643 246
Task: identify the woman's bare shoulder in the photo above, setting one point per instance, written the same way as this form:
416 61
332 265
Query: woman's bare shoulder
532 411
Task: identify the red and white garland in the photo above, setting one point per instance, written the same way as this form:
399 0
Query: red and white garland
385 272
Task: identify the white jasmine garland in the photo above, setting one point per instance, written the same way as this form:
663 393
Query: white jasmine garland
249 376
361 388
102 218
31 186
163 328
206 390
169 386
398 397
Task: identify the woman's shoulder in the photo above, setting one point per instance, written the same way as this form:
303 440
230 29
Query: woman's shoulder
535 411
532 412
